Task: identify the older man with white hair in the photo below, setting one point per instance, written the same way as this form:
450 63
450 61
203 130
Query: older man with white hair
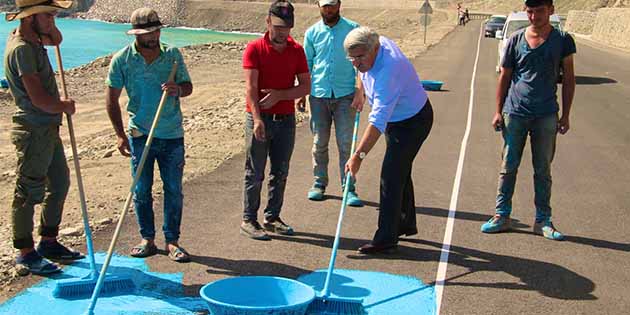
401 110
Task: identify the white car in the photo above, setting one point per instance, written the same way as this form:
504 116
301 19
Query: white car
515 22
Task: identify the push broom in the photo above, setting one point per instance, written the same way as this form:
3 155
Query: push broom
325 304
72 288
143 158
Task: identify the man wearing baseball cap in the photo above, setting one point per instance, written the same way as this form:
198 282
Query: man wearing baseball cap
271 64
142 69
42 172
334 97
527 105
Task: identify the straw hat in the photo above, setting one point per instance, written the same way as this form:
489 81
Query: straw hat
30 7
143 21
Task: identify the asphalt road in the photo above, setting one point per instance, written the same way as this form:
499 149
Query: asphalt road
508 273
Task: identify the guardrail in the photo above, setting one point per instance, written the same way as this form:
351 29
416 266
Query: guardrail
479 16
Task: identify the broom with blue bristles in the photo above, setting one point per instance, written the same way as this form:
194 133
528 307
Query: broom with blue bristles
73 288
324 304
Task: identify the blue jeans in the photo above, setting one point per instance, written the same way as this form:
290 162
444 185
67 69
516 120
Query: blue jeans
542 133
278 146
325 111
169 154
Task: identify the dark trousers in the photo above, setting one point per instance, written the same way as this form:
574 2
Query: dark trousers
397 205
278 147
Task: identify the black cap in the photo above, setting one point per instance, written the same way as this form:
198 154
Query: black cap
281 13
537 3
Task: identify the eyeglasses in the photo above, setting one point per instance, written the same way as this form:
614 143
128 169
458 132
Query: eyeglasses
356 58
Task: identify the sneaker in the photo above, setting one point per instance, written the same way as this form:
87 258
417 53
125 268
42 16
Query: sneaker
37 264
316 192
497 223
253 230
277 226
54 250
353 200
546 229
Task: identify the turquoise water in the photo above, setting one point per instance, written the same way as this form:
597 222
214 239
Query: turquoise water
85 40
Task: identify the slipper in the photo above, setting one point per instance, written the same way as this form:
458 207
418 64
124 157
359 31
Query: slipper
178 254
144 250
37 264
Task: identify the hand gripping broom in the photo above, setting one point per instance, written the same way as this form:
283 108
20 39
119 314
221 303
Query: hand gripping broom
72 288
143 158
325 304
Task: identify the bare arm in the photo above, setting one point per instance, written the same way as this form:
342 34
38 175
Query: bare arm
251 88
359 95
274 96
502 90
568 91
113 111
42 100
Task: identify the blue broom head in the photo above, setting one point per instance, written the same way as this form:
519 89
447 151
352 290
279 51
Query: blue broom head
83 288
336 306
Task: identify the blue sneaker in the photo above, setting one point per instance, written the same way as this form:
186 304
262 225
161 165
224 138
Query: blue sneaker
37 264
353 200
497 224
316 192
546 229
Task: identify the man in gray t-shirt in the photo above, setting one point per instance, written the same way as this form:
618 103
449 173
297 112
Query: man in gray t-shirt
527 105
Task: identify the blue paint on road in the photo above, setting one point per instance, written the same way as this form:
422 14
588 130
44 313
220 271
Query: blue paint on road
382 293
156 293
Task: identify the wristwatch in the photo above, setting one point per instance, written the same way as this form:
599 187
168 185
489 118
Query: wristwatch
361 155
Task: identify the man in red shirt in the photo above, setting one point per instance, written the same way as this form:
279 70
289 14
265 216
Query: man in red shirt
271 65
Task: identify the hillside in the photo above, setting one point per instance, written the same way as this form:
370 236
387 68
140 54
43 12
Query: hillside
562 6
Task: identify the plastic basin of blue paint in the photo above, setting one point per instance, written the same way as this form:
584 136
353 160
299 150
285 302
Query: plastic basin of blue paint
432 85
257 295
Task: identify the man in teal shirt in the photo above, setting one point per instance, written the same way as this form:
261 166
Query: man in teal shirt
334 97
142 69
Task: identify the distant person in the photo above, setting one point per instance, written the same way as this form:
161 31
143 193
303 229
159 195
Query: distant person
527 105
42 172
401 110
466 16
333 98
271 65
142 69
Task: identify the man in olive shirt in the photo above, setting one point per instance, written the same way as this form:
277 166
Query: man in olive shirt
42 171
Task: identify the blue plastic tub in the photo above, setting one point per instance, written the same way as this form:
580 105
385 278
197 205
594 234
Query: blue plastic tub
431 85
257 296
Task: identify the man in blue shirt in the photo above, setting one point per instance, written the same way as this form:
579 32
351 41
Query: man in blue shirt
402 112
527 105
142 69
333 98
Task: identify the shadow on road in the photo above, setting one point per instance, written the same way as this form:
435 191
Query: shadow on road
471 216
587 80
548 279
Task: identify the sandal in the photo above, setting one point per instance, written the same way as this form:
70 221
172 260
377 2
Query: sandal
37 264
144 250
178 254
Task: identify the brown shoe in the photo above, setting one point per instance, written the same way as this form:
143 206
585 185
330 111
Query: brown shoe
253 230
371 249
278 226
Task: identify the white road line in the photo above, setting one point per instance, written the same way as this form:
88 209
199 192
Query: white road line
450 222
